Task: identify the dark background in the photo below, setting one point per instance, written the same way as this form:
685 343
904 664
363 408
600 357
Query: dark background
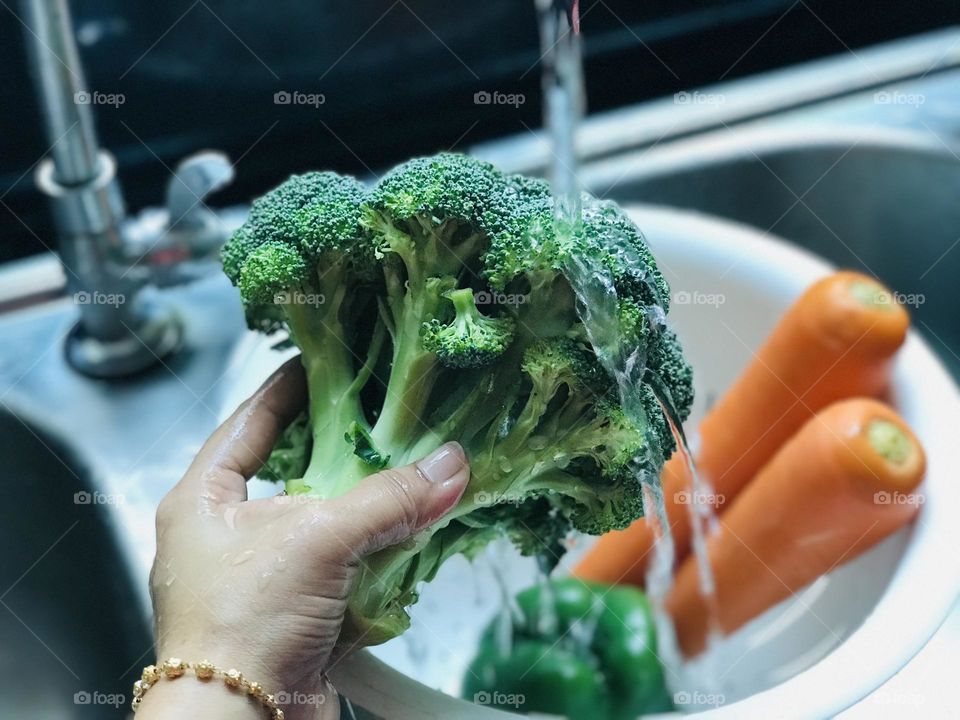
398 77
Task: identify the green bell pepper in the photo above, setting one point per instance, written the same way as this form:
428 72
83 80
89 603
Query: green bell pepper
576 649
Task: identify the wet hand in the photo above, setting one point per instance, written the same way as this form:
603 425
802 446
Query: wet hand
262 585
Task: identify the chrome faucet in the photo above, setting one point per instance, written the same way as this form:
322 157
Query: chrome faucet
113 261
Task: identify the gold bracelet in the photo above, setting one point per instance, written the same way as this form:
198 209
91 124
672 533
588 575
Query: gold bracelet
174 667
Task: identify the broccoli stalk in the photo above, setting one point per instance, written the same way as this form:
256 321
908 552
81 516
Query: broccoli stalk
378 288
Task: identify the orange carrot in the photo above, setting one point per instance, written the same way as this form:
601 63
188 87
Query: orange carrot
844 482
836 341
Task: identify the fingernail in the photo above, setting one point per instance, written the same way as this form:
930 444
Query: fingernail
447 469
444 463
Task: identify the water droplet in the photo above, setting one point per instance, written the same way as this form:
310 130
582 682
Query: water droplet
280 564
230 517
264 580
504 464
537 442
242 557
170 580
225 558
289 540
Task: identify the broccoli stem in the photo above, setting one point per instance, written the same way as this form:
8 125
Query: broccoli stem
411 379
387 581
334 393
414 369
464 305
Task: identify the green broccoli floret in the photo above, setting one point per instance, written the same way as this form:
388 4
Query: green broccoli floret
271 270
665 361
470 340
378 287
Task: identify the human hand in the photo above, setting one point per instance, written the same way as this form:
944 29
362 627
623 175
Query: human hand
262 585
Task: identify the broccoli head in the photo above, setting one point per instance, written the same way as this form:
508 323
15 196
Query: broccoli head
471 339
382 288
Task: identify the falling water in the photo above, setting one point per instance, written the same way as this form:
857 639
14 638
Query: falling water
703 522
563 106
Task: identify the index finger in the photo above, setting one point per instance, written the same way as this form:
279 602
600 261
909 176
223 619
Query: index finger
242 444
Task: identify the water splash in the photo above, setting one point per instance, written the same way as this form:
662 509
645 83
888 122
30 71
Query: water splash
564 103
510 615
704 675
548 624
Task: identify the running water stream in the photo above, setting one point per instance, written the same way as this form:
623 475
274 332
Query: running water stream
563 106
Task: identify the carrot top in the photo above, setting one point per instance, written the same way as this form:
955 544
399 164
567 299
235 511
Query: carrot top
889 441
872 294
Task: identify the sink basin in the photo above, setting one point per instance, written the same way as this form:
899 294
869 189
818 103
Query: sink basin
70 619
85 464
881 201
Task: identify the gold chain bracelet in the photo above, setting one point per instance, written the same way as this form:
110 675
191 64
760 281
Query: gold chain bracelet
174 667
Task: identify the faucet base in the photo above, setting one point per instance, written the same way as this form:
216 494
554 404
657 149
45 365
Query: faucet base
159 332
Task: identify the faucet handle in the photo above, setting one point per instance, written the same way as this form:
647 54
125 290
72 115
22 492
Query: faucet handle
179 242
196 177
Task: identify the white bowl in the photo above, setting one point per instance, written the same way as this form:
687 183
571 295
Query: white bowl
811 656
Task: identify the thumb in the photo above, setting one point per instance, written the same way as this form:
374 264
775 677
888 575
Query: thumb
391 505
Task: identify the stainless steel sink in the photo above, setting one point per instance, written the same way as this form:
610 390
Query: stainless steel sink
855 157
885 202
84 464
70 619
